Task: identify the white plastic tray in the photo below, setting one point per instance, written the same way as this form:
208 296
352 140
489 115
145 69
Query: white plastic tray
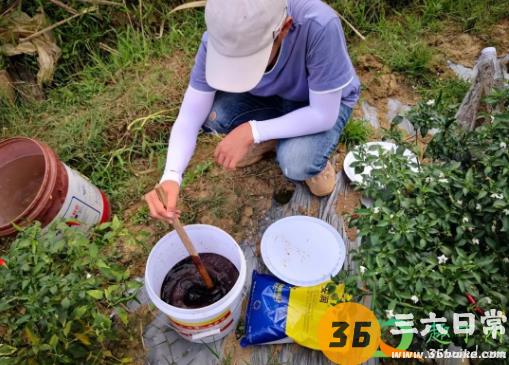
302 251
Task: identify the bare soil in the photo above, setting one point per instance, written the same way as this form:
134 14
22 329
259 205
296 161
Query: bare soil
379 84
462 48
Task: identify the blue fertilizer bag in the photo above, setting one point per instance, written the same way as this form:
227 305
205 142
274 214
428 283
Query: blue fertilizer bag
266 311
280 313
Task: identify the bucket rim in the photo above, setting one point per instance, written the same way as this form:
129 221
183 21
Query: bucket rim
40 201
192 312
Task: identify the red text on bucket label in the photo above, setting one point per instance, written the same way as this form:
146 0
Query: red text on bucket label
83 201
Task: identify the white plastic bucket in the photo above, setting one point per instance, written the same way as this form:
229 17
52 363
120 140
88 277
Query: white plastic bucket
210 323
84 202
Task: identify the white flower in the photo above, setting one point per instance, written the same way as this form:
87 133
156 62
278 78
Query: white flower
460 202
442 259
488 300
478 206
376 210
428 179
503 145
414 298
475 241
391 216
390 313
362 269
497 196
493 227
89 275
506 211
441 174
465 219
470 229
443 181
430 102
506 260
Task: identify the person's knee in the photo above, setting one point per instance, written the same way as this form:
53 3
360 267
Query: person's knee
217 120
301 158
222 113
294 168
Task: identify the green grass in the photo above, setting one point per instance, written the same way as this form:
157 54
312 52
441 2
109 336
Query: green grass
475 16
356 132
112 122
141 216
199 170
400 43
79 39
401 46
396 30
214 204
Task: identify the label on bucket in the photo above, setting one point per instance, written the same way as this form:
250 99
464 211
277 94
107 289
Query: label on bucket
83 202
221 322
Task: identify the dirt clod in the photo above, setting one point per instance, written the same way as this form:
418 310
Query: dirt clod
247 211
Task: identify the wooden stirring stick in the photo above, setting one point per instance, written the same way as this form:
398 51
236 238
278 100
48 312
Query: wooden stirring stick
161 194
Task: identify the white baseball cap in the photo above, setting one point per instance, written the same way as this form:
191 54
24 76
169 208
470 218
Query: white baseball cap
241 34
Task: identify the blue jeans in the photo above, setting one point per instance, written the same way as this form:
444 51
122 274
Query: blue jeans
300 157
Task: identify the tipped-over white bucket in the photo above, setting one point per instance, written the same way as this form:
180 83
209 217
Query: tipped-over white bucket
214 321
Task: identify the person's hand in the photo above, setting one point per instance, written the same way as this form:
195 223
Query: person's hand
156 207
234 146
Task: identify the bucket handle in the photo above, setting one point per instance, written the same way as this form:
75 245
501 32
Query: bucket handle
200 336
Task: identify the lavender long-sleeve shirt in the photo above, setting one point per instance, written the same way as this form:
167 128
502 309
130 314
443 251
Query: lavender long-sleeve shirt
313 65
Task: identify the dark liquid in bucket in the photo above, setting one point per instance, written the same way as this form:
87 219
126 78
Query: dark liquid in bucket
183 287
20 181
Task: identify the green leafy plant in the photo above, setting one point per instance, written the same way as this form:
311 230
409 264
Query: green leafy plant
424 117
447 93
59 291
436 237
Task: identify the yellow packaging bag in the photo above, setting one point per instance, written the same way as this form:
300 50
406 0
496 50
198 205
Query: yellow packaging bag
306 306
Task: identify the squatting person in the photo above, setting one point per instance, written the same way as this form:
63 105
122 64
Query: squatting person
269 74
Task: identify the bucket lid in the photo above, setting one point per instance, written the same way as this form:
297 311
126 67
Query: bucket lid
387 146
302 251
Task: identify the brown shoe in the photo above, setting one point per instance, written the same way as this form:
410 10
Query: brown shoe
323 184
256 152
